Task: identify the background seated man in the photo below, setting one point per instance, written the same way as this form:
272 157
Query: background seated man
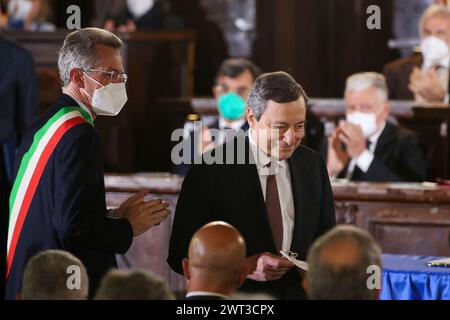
366 147
424 76
47 275
232 85
215 267
133 285
338 266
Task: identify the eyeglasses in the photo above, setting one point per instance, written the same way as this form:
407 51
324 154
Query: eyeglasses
114 75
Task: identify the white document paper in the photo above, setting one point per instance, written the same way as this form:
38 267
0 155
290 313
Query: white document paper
303 265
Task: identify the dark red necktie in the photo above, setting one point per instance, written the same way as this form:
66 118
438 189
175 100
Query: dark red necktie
274 211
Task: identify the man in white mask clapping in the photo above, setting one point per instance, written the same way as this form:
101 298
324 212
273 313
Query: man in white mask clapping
365 146
424 77
58 198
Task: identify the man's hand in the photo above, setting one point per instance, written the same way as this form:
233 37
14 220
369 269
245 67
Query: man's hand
266 267
426 85
141 214
337 158
352 135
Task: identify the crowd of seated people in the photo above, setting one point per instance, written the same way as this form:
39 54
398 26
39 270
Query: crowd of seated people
214 270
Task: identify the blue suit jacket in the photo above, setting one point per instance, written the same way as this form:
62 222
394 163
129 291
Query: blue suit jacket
18 89
68 210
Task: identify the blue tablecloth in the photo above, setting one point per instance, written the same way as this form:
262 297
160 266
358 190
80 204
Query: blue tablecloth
409 278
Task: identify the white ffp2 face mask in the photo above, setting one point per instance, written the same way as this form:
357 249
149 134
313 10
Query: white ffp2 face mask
435 52
110 99
367 122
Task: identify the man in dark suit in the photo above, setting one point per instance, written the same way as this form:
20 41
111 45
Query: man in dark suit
232 84
58 197
215 265
424 76
366 147
275 191
18 96
18 99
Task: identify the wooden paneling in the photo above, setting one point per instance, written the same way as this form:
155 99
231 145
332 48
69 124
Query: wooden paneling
321 42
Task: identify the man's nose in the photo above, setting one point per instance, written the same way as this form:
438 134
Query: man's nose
289 137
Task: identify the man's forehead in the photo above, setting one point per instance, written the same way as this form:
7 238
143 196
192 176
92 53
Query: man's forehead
108 57
437 21
244 77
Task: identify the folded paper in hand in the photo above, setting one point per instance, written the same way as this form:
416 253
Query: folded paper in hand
292 257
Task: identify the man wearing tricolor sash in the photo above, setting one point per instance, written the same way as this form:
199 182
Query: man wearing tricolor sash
58 196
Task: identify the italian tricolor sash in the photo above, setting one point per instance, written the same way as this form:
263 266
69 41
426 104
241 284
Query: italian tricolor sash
31 168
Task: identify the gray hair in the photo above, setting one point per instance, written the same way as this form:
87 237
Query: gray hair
133 285
329 281
78 50
46 277
276 86
365 80
435 10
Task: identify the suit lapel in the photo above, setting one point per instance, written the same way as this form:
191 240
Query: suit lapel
385 141
300 191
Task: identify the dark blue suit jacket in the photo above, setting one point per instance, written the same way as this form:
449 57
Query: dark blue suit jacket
18 100
18 89
68 211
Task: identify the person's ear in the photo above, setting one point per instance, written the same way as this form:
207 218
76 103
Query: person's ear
386 110
186 272
215 91
251 118
245 271
77 77
305 285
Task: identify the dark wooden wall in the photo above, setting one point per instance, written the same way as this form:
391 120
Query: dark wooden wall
321 42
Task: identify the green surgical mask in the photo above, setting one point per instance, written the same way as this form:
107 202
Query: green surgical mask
231 106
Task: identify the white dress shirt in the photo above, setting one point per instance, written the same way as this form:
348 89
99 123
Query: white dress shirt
205 293
366 157
235 125
83 106
283 178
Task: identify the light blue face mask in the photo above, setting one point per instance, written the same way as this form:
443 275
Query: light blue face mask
231 106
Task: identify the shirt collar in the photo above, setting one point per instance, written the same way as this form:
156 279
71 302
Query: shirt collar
261 158
374 138
235 125
84 107
206 293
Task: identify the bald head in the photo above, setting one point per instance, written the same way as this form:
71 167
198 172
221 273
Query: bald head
217 245
216 258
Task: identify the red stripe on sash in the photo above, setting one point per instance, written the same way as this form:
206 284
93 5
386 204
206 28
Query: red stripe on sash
36 177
